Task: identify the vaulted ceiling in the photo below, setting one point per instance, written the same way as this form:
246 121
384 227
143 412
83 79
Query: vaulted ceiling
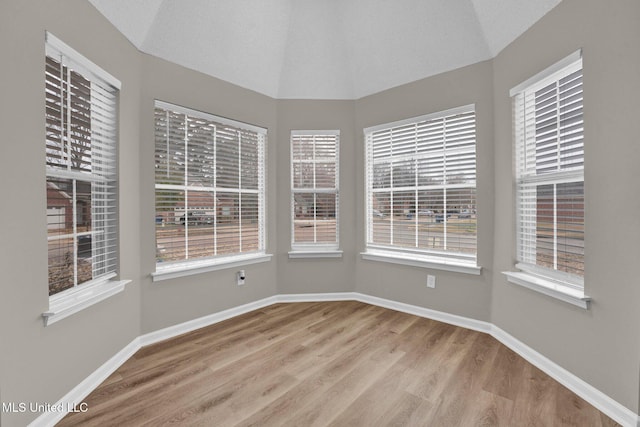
322 49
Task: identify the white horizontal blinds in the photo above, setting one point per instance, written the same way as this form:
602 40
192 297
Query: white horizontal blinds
550 174
421 180
209 185
81 134
314 195
252 185
170 193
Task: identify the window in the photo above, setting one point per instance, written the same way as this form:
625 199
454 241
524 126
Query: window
314 190
549 152
209 189
421 188
81 136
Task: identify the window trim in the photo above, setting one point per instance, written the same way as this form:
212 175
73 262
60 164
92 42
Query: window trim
208 116
423 261
75 300
70 301
546 73
409 256
181 268
550 287
556 284
315 249
53 41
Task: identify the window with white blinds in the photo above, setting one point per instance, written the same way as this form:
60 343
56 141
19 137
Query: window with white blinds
549 150
421 185
81 138
209 187
314 189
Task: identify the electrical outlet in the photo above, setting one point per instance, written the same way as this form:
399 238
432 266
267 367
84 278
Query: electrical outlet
431 281
240 276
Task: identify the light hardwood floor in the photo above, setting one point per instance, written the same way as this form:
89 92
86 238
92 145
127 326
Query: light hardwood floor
332 364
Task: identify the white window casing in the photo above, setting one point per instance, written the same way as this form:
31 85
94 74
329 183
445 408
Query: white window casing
210 191
421 190
315 194
81 115
549 164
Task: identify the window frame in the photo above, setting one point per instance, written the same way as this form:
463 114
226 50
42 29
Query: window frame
315 249
82 295
179 268
550 281
420 257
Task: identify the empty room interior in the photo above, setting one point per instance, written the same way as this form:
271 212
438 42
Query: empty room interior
320 212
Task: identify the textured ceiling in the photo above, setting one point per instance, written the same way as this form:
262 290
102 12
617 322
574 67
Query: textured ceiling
322 49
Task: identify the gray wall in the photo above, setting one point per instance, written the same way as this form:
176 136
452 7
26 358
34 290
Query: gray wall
166 303
317 275
455 293
41 364
600 345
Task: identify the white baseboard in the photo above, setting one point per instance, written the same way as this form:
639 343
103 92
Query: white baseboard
201 322
595 397
586 391
334 296
82 390
452 319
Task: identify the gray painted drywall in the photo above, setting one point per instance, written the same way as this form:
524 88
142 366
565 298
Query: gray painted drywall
456 293
317 275
600 345
41 364
166 303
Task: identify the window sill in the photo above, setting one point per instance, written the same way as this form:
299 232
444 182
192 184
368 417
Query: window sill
66 305
172 271
436 263
310 253
549 287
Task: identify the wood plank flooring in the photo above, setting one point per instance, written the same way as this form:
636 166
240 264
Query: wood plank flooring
332 364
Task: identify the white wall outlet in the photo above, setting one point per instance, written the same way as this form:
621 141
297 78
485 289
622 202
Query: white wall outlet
240 276
431 281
